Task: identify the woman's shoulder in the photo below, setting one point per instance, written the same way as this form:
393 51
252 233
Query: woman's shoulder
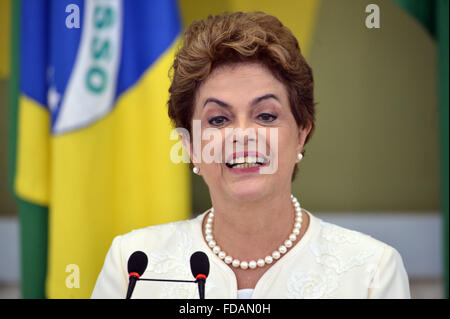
166 246
341 235
348 243
352 263
161 232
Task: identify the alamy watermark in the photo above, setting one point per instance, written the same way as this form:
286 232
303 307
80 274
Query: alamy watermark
73 17
373 18
213 145
73 279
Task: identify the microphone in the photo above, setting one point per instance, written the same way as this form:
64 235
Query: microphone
200 270
137 263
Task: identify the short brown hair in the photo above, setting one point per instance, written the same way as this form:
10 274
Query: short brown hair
240 37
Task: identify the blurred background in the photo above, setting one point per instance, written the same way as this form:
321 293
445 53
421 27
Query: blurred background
84 131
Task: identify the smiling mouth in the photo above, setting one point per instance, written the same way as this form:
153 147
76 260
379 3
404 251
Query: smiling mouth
247 162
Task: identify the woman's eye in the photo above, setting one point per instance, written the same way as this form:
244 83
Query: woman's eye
266 117
217 120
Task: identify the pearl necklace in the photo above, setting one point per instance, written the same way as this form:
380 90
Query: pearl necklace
260 262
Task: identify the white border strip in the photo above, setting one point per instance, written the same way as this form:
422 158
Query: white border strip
417 236
9 250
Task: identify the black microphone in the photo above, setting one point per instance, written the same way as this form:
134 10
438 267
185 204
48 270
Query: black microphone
200 270
137 263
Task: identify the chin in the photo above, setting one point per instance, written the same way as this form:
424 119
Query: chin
249 190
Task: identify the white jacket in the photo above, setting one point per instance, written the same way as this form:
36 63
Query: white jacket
328 262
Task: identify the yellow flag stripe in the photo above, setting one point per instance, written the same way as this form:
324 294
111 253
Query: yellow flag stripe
112 177
33 152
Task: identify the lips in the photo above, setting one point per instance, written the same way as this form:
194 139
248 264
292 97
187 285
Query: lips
245 160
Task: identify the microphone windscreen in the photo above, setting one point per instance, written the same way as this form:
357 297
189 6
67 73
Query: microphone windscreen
199 264
137 262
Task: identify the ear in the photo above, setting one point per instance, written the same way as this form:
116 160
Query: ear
302 135
185 142
187 145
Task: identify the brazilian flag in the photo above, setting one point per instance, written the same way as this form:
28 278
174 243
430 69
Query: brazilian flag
93 146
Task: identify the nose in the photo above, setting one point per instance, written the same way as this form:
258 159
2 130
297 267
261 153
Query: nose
244 136
244 131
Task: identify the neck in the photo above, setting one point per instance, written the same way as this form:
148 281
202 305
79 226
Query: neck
252 227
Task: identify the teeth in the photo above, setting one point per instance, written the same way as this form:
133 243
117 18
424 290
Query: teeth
251 159
246 165
247 160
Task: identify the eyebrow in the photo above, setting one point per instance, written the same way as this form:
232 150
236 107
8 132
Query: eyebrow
253 102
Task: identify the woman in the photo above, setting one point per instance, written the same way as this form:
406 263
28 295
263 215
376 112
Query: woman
235 73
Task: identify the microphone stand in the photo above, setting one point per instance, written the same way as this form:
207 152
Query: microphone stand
200 281
169 280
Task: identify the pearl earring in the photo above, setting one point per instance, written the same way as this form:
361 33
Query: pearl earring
300 156
195 170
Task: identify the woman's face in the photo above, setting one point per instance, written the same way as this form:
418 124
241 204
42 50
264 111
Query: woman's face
248 97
